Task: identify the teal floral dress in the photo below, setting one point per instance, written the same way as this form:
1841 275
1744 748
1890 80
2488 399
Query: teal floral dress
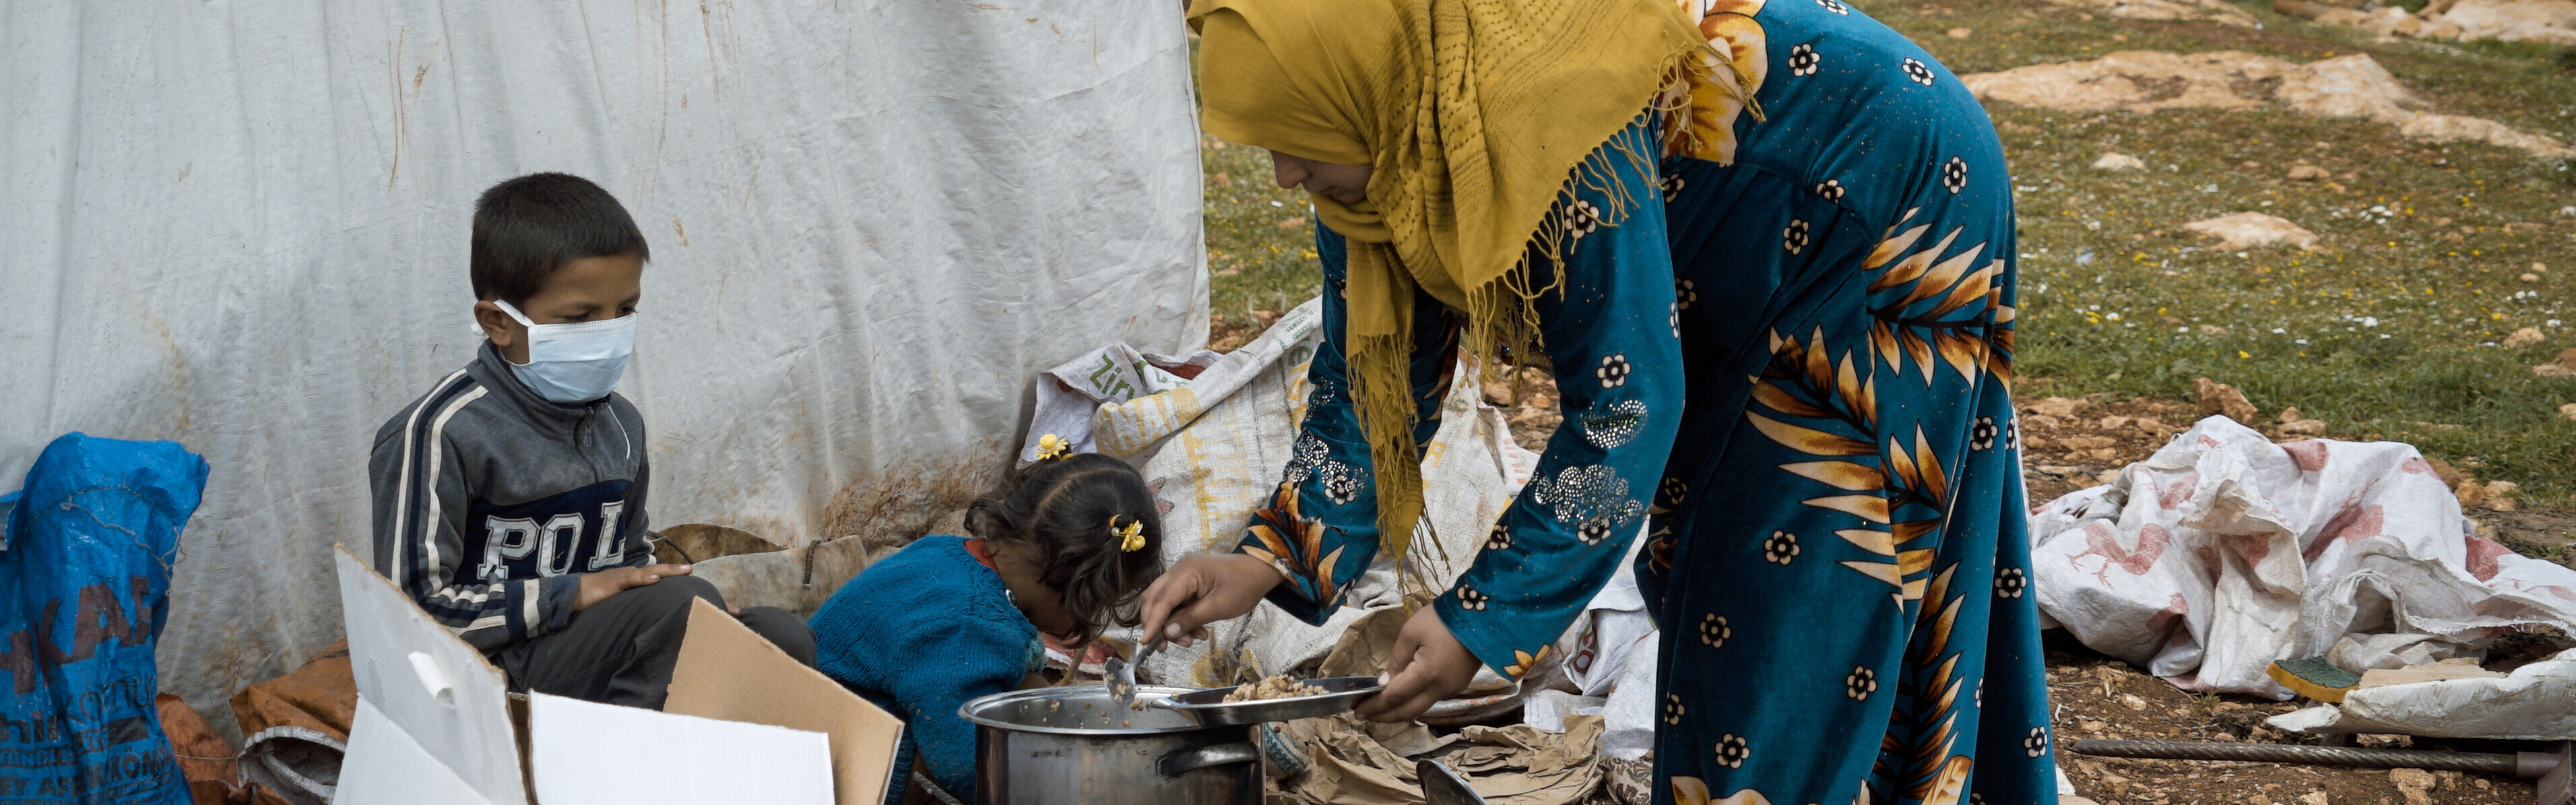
1793 375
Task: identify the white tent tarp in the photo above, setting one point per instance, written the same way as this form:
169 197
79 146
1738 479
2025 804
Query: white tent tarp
243 226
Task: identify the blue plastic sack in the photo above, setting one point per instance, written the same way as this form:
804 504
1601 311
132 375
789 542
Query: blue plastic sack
85 560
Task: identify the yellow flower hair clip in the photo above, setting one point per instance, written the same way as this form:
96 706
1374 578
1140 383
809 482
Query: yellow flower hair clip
1131 537
1052 447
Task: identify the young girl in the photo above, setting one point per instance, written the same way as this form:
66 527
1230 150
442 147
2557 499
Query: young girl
1063 549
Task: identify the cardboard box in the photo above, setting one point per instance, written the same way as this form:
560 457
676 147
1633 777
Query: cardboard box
436 724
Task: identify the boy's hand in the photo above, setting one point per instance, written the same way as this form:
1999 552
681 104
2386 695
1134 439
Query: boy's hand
597 587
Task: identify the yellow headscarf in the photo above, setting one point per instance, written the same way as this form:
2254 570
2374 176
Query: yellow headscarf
1474 114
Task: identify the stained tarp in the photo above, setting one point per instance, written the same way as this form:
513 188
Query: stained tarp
243 226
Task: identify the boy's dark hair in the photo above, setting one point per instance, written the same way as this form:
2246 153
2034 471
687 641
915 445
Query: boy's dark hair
527 228
1063 507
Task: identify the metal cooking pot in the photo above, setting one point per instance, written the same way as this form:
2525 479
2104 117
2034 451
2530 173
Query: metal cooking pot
1074 745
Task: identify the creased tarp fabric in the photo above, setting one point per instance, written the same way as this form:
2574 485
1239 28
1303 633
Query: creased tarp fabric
243 226
2223 553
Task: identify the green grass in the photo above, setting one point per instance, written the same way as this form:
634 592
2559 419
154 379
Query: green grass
2391 334
1254 263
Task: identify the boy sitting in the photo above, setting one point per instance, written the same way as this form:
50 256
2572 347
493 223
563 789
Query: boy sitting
509 500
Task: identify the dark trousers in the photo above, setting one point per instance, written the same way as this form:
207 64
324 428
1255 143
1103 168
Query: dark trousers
621 650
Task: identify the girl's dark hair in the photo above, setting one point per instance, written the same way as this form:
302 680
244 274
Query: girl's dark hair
1063 507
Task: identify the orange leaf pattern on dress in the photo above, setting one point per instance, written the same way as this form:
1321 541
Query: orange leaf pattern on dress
1927 307
1296 543
1825 406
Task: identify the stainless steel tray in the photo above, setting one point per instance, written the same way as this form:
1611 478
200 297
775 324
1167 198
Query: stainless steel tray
1209 706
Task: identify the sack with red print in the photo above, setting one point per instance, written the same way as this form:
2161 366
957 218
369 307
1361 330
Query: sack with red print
2225 552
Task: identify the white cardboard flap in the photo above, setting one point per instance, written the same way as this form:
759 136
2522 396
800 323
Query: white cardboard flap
588 752
437 690
385 766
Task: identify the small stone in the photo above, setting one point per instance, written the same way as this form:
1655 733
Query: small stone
2093 726
1292 223
2500 504
2252 165
2451 476
1959 33
2524 337
2055 406
2540 267
2111 161
2246 230
2557 369
2568 410
2220 399
2502 488
2308 173
2304 427
2290 413
2416 785
2469 493
2313 798
2133 701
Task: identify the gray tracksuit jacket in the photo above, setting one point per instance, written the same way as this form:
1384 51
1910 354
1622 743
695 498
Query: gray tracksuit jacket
489 500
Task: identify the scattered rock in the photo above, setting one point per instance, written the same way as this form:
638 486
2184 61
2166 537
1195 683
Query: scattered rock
2246 230
2344 86
2416 785
2304 427
2313 798
1292 223
2453 128
2217 11
2540 267
2308 173
2055 406
2568 410
2119 162
2563 366
2451 476
2470 494
1959 33
2529 277
2495 488
2524 337
2220 399
2087 442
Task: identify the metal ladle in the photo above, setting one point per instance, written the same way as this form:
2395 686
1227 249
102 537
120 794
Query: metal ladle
1120 675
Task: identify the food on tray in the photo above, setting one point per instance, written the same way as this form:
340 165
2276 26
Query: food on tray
1276 687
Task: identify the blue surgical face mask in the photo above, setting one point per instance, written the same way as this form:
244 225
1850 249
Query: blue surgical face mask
574 363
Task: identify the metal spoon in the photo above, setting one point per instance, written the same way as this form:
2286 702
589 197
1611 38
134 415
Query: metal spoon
1120 675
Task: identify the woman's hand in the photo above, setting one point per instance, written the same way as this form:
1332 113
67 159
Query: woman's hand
1200 590
1427 665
